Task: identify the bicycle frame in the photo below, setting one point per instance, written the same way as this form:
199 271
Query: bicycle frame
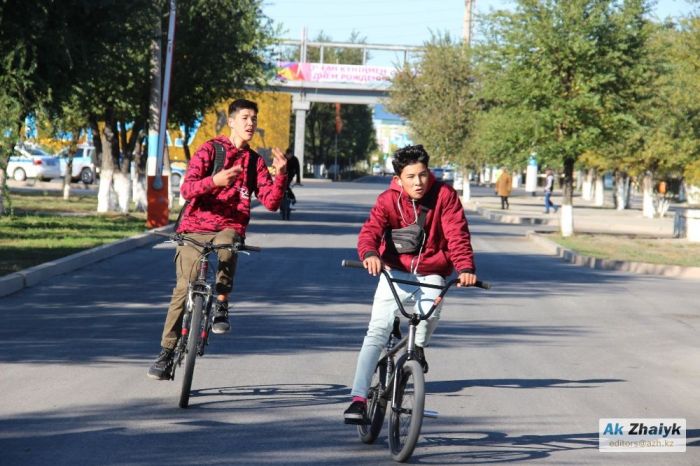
409 342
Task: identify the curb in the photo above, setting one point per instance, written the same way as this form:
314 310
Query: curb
645 268
29 277
515 219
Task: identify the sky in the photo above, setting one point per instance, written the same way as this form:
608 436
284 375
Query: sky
395 22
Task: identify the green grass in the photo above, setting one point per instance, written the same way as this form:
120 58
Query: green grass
635 249
44 227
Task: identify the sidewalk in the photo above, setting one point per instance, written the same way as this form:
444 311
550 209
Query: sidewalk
529 210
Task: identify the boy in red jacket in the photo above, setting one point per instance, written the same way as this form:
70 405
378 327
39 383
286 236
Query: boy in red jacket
446 247
218 211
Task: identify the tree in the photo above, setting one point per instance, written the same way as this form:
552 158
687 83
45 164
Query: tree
668 136
218 51
22 75
436 96
574 69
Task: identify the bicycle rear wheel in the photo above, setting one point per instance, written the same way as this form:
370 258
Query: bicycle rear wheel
376 405
192 348
285 208
406 420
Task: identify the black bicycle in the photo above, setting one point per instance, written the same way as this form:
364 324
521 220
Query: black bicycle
197 320
398 379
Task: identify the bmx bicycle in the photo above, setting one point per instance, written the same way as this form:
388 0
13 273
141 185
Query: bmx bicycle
197 319
398 381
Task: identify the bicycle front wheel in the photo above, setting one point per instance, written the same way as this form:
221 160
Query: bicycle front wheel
406 419
376 405
192 348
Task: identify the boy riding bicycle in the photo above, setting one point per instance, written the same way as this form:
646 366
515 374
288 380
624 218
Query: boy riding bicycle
424 219
218 210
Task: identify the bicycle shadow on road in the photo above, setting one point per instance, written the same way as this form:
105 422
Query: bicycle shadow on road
456 386
489 447
256 397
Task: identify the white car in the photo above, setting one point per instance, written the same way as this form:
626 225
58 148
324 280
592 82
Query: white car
83 168
448 175
32 162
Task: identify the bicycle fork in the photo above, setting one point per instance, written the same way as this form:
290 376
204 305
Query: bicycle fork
410 355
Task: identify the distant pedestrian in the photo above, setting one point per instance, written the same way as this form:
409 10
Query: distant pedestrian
504 185
548 188
293 170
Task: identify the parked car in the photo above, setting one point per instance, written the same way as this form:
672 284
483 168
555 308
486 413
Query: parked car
444 174
377 170
448 175
437 173
32 162
83 164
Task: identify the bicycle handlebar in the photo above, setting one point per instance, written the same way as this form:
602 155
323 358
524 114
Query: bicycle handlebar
180 238
359 265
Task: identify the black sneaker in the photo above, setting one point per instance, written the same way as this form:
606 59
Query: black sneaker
420 356
221 324
356 413
160 370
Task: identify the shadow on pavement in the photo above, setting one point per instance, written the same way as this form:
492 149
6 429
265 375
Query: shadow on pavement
455 386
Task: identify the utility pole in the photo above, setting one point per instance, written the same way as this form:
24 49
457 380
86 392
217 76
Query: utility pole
467 36
467 26
156 189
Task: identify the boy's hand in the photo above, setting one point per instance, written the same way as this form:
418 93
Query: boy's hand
279 160
373 264
466 279
227 177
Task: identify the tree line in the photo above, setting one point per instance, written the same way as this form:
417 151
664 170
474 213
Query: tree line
77 64
594 85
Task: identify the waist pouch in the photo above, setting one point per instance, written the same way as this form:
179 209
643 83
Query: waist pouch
407 240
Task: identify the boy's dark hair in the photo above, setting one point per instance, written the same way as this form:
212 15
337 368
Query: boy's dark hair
408 156
240 104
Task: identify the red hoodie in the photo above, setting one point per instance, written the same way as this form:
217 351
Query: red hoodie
215 208
447 244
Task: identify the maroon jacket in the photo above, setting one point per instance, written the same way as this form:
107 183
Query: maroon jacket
214 208
447 244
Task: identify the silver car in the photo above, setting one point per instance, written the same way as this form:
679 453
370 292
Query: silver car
33 162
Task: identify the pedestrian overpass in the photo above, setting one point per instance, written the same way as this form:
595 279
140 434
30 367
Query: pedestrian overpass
332 82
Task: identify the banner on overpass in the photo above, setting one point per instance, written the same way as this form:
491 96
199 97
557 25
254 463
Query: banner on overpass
329 72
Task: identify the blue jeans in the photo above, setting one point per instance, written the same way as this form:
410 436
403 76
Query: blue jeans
381 323
548 204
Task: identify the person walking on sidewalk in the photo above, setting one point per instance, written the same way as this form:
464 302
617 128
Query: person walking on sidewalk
431 214
504 185
548 188
218 210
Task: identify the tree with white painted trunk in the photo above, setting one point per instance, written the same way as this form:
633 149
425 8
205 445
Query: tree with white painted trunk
560 79
436 96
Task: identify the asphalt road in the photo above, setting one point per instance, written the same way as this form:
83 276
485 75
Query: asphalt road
520 374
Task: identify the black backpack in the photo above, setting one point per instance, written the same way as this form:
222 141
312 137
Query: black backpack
220 156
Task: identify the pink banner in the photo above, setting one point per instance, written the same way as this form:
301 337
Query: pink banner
322 72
